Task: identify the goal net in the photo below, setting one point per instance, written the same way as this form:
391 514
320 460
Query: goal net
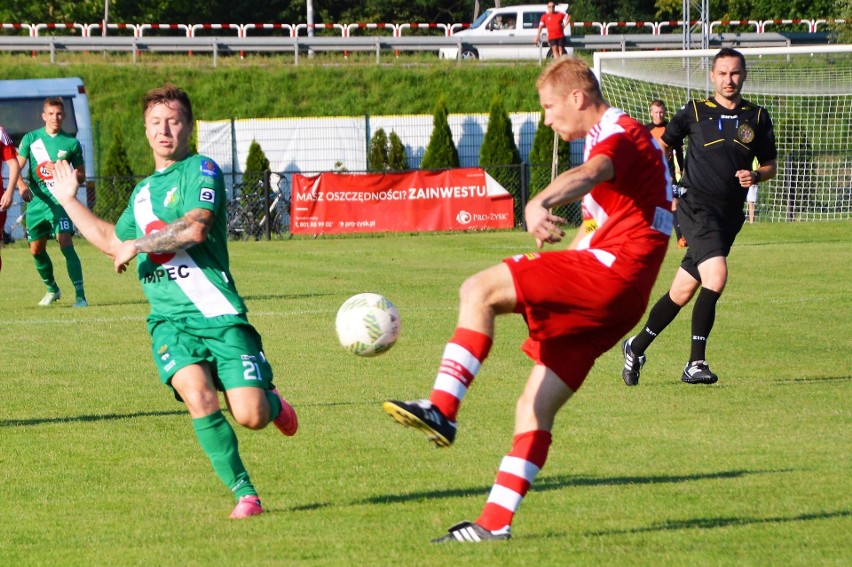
808 93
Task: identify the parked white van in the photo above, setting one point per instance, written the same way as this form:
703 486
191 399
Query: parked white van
509 22
21 104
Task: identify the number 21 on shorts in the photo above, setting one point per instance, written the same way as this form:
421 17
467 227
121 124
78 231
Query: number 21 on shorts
251 369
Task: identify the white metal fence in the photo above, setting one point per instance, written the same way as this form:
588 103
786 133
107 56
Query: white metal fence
808 25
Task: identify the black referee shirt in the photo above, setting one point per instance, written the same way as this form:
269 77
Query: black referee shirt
720 142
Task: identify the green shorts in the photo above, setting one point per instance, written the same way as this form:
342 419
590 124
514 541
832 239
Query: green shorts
46 220
231 346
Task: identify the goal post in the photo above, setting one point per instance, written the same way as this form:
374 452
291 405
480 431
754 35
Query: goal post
807 91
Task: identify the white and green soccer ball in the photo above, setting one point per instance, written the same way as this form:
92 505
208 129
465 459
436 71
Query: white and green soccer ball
367 324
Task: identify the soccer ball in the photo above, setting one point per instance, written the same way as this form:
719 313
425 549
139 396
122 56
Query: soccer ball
367 324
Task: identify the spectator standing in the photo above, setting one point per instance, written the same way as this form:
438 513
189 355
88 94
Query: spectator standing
555 23
751 197
674 157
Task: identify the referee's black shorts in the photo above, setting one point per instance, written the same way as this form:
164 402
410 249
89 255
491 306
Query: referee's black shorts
709 233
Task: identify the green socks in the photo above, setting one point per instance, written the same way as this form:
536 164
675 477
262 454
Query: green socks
219 443
75 270
44 267
274 405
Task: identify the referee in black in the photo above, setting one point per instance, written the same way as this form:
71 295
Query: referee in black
725 133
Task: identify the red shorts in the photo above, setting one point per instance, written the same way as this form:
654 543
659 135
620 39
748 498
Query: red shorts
576 309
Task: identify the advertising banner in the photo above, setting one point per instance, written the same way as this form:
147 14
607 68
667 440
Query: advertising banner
453 199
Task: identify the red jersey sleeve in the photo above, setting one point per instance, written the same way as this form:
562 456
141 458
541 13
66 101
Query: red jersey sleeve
7 146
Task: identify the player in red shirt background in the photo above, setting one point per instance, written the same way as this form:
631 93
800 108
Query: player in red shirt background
555 23
9 155
578 302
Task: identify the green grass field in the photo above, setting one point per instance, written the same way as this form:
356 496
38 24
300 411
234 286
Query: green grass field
100 465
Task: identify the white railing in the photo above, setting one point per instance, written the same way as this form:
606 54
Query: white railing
299 28
58 26
735 23
600 28
352 27
445 29
185 29
287 28
297 41
25 27
194 29
622 25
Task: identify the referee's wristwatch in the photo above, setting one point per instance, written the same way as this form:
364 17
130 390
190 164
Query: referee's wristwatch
756 176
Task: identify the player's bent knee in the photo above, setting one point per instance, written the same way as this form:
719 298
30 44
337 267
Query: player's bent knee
681 297
250 419
715 282
492 288
473 290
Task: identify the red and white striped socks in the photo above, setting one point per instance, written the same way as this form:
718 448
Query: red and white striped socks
462 358
517 472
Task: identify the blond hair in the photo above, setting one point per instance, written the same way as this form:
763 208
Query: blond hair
569 73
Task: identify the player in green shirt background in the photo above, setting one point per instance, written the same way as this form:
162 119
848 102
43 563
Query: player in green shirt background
202 341
45 217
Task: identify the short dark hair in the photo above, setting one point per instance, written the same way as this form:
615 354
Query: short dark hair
729 52
168 93
657 102
54 101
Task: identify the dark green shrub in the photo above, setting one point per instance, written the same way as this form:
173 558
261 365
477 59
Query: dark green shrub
541 167
257 169
378 158
396 153
117 181
499 154
252 194
441 153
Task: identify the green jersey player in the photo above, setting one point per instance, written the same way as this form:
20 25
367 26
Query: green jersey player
202 341
45 217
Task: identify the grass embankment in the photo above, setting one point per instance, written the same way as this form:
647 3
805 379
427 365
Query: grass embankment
272 87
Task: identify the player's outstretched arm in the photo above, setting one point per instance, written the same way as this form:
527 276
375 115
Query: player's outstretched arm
96 230
568 187
183 233
571 185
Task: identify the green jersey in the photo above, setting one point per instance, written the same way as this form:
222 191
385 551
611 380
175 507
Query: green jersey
189 283
39 147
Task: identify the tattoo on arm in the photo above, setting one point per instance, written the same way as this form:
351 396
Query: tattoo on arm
178 235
